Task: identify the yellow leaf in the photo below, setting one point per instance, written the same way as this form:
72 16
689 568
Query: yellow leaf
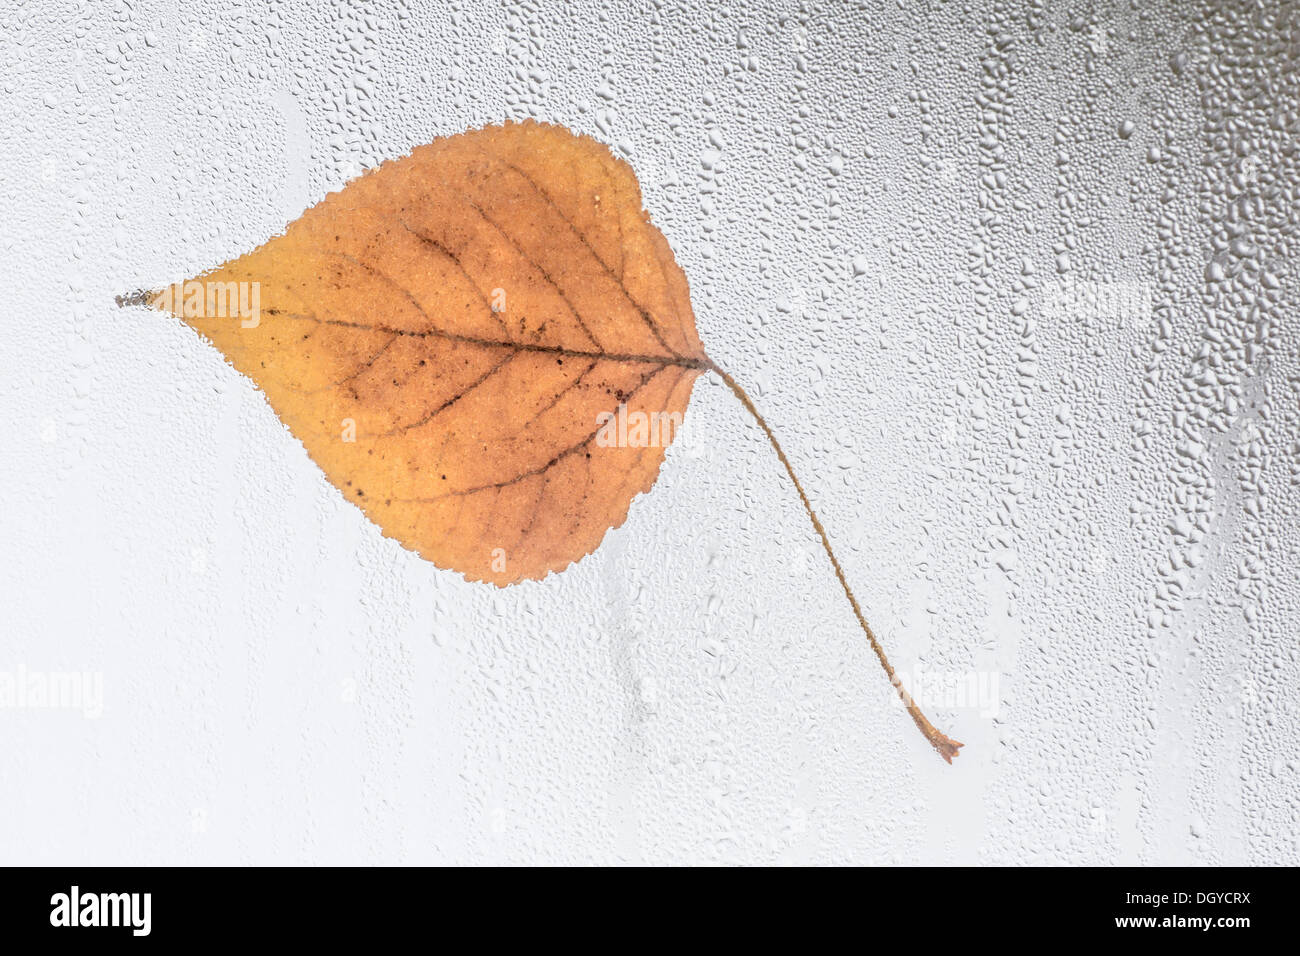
485 345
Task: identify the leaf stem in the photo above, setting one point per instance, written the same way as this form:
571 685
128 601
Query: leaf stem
945 746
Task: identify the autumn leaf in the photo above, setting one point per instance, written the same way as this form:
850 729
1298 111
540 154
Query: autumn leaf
485 345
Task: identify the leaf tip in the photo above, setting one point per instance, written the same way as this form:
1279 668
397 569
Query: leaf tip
138 297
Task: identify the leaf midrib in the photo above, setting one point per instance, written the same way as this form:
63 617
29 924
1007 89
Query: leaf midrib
703 364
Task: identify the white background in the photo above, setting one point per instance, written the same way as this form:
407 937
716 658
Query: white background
1017 290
